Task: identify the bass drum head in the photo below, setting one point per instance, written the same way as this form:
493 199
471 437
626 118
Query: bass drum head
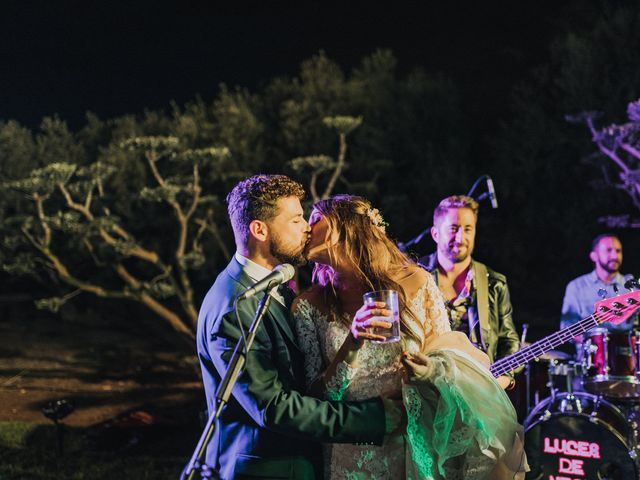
578 445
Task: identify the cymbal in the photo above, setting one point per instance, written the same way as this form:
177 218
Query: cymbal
551 354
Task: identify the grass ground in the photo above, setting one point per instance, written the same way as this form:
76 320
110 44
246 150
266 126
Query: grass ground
136 398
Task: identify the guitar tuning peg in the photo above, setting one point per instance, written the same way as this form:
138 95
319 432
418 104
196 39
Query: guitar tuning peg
602 293
631 284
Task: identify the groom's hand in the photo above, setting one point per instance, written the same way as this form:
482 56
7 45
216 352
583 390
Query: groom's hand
395 416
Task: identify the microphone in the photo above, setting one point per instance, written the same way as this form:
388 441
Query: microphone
281 274
523 338
492 193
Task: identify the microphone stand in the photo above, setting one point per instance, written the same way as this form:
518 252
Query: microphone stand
482 196
404 246
236 364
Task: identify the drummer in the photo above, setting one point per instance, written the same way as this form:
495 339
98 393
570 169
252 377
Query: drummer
584 292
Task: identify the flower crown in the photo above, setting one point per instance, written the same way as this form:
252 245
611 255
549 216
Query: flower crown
376 219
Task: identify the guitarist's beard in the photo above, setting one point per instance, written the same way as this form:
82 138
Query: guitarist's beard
458 253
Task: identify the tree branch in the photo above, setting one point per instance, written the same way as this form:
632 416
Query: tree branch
39 199
83 209
312 186
212 228
152 158
196 192
174 320
613 156
342 155
631 150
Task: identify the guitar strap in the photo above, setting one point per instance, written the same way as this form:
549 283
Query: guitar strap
481 276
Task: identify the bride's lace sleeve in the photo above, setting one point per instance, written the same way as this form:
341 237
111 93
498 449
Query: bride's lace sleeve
310 326
307 335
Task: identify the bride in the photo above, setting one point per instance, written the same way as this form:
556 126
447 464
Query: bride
460 423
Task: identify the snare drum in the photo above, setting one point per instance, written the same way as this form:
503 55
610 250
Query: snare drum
609 363
579 436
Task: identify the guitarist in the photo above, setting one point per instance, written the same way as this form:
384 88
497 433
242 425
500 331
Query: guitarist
476 296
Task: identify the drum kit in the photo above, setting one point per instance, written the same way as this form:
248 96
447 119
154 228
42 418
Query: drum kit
583 420
592 406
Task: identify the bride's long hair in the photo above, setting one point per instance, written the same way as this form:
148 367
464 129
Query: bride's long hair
365 246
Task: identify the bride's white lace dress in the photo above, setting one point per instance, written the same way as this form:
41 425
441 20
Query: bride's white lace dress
465 448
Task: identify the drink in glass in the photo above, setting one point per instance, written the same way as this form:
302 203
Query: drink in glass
390 299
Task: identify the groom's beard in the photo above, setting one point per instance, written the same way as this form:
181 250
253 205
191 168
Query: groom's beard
286 253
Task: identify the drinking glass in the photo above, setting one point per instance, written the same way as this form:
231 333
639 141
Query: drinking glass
390 299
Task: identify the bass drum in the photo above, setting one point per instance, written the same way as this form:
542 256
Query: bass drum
579 436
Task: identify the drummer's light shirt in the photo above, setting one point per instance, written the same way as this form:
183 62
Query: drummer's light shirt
582 294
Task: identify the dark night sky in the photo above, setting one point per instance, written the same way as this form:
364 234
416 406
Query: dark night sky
114 61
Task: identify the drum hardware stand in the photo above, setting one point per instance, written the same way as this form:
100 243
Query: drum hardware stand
633 453
637 335
552 388
569 379
571 404
593 416
546 415
635 448
527 371
605 341
536 397
633 437
588 351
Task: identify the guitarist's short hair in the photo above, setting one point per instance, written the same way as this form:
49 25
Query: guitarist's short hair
455 201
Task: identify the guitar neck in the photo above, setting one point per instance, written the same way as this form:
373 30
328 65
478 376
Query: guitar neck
542 346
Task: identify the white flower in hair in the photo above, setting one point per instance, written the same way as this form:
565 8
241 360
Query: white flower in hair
376 219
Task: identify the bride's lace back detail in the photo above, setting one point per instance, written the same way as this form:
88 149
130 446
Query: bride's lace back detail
428 307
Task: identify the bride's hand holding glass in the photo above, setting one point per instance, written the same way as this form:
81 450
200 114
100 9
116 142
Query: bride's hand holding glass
368 317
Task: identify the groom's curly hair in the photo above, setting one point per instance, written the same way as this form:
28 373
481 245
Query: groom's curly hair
256 198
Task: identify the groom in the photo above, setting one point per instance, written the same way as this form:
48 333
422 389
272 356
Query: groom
269 429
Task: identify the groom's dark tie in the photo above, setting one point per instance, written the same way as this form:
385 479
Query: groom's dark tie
287 294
